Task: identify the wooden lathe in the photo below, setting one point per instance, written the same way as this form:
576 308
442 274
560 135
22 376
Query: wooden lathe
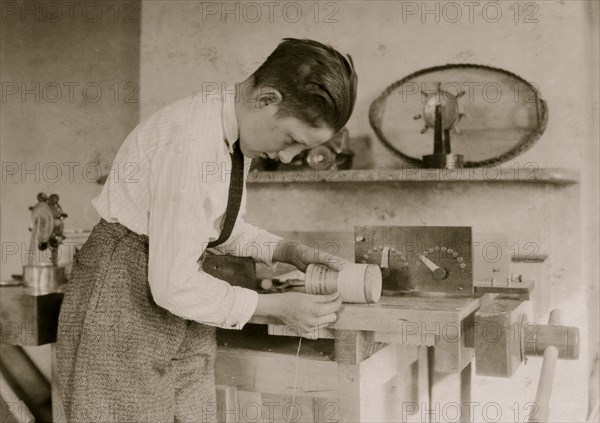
409 357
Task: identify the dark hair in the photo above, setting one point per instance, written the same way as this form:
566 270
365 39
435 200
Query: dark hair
317 83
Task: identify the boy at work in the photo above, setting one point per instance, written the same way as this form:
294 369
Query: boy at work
136 336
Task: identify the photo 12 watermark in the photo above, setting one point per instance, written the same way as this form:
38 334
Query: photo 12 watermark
470 91
492 12
68 172
54 12
452 411
52 92
270 12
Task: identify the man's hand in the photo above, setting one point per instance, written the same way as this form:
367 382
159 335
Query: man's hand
300 312
301 256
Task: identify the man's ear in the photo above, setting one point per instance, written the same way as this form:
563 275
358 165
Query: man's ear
267 96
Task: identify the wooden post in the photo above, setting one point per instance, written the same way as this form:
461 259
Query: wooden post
350 350
450 393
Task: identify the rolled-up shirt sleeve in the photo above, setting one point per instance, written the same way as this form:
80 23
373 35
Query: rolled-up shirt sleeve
179 232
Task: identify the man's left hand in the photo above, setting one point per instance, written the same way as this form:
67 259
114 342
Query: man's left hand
301 256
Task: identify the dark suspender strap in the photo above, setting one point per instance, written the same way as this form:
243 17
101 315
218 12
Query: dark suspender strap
234 201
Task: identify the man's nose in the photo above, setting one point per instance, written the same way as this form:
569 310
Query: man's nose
286 156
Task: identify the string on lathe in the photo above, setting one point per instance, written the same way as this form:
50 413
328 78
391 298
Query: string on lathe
295 377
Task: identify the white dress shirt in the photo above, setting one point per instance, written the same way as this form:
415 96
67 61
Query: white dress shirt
175 190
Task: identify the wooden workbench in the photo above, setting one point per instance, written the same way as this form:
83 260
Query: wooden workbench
407 358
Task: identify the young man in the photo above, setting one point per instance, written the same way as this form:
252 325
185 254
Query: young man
136 339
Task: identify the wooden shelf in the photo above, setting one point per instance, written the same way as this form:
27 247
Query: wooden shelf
492 174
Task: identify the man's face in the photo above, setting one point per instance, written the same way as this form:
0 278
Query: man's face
263 134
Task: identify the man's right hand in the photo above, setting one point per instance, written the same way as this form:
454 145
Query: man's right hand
301 312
